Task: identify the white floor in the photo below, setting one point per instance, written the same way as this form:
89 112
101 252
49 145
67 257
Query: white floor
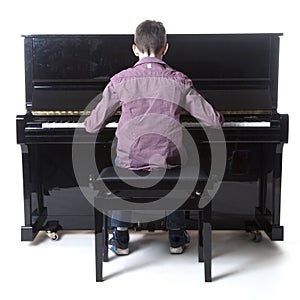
241 269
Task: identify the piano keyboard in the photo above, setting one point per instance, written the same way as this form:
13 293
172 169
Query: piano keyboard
72 125
185 124
232 124
247 124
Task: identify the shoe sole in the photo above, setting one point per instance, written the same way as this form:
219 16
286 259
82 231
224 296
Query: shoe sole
178 250
120 251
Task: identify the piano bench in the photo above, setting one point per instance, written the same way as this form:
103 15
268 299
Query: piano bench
158 183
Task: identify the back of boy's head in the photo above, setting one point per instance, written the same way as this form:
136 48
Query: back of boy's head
150 37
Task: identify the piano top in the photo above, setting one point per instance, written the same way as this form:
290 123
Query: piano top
235 72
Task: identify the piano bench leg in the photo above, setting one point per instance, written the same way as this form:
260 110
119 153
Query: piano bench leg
105 236
99 244
200 237
207 250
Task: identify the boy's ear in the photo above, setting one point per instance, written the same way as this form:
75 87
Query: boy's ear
135 50
165 49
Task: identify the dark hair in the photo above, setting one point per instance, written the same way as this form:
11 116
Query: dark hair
150 37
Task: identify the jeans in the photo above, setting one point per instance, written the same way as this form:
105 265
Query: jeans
175 220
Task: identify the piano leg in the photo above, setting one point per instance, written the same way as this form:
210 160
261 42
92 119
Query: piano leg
277 184
26 185
268 218
263 181
30 230
277 230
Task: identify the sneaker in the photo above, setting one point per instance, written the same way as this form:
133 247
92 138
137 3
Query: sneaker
179 241
119 242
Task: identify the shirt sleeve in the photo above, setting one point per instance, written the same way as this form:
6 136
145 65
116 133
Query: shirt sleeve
202 110
105 109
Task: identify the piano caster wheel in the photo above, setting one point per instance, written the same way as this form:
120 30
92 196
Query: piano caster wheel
51 229
52 235
256 236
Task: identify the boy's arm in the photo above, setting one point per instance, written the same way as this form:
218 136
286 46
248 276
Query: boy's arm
103 111
199 108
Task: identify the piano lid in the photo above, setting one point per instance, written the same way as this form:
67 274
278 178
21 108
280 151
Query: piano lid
232 71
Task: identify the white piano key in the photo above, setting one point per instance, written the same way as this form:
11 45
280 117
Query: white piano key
112 125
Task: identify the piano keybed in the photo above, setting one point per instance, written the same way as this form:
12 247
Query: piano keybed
236 123
185 124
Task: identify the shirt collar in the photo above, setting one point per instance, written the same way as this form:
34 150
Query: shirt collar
149 59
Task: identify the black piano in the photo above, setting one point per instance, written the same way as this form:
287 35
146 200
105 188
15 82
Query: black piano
237 73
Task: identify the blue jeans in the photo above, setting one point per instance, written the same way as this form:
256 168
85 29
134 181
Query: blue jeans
175 220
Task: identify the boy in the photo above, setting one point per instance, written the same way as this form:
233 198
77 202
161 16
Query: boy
150 88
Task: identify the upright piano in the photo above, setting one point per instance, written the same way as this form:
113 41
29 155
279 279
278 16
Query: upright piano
236 73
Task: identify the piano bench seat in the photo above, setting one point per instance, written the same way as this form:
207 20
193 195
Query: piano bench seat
116 185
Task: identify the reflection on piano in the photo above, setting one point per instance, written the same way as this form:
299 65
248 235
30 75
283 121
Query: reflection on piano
237 73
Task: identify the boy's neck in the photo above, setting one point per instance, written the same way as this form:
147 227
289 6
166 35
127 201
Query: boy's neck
143 55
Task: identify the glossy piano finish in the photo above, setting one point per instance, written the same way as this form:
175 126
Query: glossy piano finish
31 130
238 74
252 172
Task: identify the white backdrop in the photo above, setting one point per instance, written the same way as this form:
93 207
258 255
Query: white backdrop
116 16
